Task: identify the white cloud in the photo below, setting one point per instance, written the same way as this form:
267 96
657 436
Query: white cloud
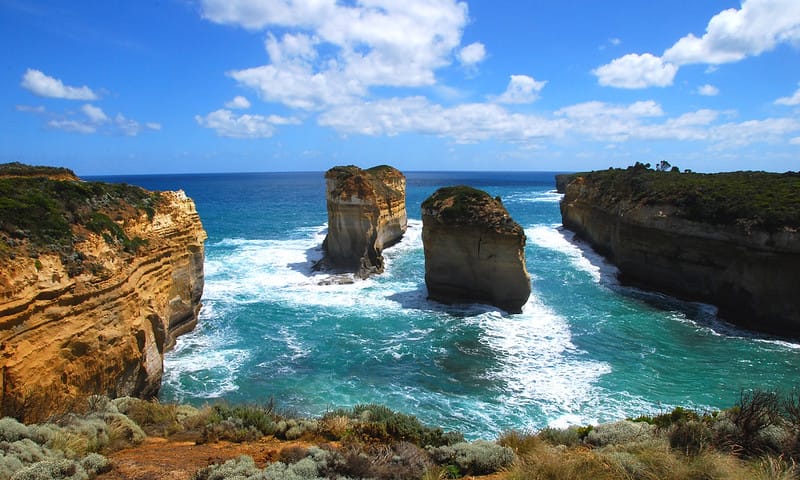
733 135
227 124
731 35
369 43
708 90
472 54
636 71
75 126
238 103
790 101
45 86
152 126
605 121
795 141
521 89
466 123
95 114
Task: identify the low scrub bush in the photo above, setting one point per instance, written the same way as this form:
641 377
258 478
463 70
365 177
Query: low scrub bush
621 432
377 423
477 458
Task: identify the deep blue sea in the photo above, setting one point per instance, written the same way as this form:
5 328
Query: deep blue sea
584 350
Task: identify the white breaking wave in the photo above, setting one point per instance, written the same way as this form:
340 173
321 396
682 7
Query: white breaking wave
582 257
539 363
551 196
204 360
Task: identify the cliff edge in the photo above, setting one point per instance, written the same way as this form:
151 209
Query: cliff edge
729 239
366 214
96 281
474 251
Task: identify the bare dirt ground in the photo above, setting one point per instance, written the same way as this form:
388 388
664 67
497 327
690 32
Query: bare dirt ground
161 459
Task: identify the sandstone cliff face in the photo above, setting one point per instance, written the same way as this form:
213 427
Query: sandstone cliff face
366 213
474 251
751 275
102 329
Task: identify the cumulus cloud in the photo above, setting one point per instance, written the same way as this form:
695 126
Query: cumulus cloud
708 90
636 71
731 35
521 89
472 54
228 124
45 86
467 123
790 101
369 43
238 103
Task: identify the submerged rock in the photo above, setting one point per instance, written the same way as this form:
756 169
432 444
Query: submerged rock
366 213
474 251
93 290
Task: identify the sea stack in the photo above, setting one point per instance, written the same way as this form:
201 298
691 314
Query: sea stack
729 239
96 281
366 214
474 251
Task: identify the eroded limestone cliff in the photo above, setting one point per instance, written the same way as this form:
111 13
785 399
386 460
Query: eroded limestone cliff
729 239
92 293
474 251
366 214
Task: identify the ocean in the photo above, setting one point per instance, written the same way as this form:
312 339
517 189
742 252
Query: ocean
584 350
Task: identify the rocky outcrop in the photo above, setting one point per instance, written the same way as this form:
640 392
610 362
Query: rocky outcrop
94 311
474 251
366 214
697 237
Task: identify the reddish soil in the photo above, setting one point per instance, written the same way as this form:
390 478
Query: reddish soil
162 459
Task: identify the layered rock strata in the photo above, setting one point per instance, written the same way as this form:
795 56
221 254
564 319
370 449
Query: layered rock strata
366 214
95 315
686 239
474 251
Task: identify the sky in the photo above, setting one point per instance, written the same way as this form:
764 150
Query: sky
182 86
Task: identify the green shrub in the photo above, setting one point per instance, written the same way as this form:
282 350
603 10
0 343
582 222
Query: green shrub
477 458
52 470
690 436
569 437
379 423
241 467
621 432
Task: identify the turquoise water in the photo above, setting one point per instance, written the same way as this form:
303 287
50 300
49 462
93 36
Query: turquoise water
584 350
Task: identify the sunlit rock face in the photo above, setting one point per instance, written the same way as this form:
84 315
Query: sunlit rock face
366 214
474 251
99 319
751 274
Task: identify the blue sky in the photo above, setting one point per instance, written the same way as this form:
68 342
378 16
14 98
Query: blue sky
174 86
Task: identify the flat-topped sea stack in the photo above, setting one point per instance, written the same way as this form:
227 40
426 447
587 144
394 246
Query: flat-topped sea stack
96 281
729 239
366 214
474 251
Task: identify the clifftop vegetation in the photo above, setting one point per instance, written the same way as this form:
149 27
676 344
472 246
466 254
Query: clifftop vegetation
758 438
760 200
45 209
463 204
352 180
